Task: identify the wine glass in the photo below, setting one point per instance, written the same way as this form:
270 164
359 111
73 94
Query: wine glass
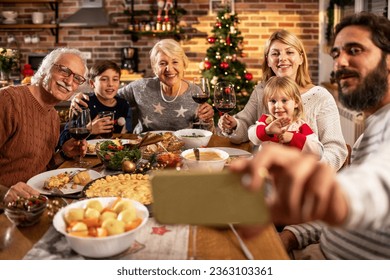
200 94
224 100
80 127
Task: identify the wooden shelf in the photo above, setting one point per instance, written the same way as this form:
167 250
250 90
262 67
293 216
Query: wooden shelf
54 28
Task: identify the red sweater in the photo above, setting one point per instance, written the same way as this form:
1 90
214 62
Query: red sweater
28 135
299 135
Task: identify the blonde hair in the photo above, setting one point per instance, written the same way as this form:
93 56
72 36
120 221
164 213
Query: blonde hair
303 78
289 88
169 47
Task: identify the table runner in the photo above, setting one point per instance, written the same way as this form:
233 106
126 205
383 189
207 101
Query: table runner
152 242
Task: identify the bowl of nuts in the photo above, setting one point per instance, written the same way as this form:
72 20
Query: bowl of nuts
25 212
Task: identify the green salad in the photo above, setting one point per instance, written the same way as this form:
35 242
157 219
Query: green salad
114 154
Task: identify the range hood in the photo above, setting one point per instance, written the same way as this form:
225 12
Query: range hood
91 14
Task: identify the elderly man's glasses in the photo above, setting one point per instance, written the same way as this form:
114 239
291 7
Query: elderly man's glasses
66 72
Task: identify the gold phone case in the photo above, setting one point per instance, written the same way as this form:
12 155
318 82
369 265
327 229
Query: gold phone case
205 198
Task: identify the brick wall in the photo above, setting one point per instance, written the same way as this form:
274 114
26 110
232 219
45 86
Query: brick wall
258 19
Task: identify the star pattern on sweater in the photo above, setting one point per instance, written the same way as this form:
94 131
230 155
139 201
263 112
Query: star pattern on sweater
158 108
146 121
180 112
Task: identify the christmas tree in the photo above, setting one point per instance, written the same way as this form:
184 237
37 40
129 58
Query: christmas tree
222 59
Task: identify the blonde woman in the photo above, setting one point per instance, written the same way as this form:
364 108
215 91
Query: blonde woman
284 124
164 102
284 56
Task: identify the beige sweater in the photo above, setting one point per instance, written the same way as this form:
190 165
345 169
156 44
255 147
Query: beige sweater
321 114
28 135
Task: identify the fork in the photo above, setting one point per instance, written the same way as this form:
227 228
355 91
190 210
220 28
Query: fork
244 249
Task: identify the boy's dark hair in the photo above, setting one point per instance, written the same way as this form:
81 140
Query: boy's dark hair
99 67
378 25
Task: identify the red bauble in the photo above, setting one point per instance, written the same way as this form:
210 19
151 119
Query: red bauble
224 65
207 65
211 40
218 24
227 90
248 76
228 41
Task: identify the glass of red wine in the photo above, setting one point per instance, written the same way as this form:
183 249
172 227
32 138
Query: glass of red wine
80 127
224 99
200 94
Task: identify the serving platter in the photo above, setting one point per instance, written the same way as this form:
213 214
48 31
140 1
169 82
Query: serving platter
37 182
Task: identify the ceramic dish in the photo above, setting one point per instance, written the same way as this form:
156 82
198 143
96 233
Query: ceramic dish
38 181
235 154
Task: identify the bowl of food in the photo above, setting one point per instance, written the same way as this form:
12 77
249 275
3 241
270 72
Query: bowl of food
25 212
194 138
101 227
210 159
113 154
9 15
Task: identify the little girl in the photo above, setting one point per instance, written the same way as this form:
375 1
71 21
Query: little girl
284 124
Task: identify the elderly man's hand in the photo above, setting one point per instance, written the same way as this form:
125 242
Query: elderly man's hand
19 190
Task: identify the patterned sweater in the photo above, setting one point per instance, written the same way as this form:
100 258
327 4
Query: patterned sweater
303 137
366 183
321 114
152 112
28 135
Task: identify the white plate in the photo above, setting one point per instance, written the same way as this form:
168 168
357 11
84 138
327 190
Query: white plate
37 181
235 153
9 21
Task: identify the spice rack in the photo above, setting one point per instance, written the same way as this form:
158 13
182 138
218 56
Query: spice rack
146 23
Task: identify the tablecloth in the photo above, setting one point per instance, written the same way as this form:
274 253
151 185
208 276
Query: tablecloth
152 242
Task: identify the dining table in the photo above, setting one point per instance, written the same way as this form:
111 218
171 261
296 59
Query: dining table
204 242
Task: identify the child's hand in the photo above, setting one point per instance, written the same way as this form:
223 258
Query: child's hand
102 125
285 138
278 126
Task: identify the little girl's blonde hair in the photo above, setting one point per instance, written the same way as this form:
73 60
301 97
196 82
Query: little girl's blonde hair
289 88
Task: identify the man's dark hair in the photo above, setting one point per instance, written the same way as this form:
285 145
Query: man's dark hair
378 25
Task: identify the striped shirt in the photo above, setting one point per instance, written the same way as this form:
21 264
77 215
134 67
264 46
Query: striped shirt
366 183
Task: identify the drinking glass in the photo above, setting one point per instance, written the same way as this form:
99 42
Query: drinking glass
80 127
200 94
104 114
224 100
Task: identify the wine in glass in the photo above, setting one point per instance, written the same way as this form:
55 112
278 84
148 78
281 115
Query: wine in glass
200 94
224 99
80 127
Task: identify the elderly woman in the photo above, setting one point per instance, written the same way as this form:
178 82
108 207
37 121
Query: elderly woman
284 55
163 102
30 125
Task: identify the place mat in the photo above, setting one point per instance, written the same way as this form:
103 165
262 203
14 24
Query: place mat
152 242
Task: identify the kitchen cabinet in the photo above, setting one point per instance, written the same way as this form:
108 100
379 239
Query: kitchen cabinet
145 22
54 27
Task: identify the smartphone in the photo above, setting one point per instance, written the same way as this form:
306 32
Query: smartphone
204 198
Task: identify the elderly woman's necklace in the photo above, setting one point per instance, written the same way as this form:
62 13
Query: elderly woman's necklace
169 101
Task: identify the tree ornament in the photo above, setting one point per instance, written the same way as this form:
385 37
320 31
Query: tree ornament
234 57
218 24
224 65
214 80
227 15
201 65
248 76
211 40
207 65
217 55
228 41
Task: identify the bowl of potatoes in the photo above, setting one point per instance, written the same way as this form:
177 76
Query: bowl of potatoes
101 227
